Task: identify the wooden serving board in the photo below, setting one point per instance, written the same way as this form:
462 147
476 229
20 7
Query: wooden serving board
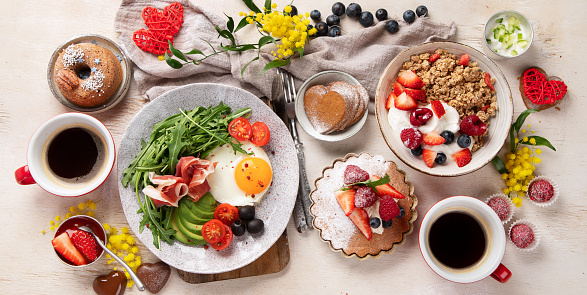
272 261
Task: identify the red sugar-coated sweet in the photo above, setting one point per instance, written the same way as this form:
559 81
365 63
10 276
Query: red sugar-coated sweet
541 191
500 206
522 235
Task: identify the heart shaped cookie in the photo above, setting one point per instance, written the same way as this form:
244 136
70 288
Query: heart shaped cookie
162 26
154 275
114 283
539 91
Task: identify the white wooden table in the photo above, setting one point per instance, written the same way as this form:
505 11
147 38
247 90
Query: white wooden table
31 30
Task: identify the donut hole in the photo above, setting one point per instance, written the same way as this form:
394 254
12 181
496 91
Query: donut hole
83 71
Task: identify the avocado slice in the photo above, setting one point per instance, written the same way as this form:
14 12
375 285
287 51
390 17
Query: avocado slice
201 212
193 238
191 227
189 216
178 234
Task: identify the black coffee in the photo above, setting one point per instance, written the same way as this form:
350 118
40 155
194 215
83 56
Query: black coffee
457 240
72 153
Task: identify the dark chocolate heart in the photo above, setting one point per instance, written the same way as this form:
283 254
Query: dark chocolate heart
114 283
154 275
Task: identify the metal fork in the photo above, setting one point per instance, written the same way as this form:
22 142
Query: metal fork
304 189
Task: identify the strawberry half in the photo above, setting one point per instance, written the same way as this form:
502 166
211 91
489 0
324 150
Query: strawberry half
387 190
417 94
404 102
434 57
488 81
429 157
438 108
361 219
409 79
433 138
85 244
390 100
62 244
398 88
346 200
462 157
464 60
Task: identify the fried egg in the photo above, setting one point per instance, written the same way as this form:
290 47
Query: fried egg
239 179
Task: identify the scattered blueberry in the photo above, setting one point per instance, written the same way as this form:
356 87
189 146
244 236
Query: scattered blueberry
321 29
402 212
417 151
464 141
309 27
354 10
338 8
387 223
366 19
392 26
333 20
294 11
448 136
334 31
409 16
315 14
422 11
238 228
440 158
375 222
381 14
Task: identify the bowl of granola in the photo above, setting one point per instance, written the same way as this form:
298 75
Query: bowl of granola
444 108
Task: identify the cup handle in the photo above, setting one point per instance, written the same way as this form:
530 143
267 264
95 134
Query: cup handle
501 274
23 175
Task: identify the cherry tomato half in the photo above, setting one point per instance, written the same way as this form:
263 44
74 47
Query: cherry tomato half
226 239
226 213
240 129
261 134
213 231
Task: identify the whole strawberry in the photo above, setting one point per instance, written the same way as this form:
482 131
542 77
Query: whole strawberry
388 208
85 243
365 197
354 174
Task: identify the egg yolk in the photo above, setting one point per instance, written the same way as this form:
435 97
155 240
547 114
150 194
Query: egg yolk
253 175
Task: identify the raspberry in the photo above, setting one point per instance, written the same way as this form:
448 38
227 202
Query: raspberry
354 174
420 116
411 137
473 126
365 197
388 208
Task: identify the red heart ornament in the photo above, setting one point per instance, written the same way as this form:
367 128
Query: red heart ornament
541 92
162 26
114 283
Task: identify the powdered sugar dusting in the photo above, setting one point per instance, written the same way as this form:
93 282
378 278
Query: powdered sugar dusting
72 55
94 82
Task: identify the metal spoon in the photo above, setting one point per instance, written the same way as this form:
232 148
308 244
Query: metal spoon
133 276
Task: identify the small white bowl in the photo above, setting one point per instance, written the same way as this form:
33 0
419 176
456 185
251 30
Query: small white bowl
525 26
325 78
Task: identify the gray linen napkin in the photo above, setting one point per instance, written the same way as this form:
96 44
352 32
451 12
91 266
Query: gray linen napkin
364 54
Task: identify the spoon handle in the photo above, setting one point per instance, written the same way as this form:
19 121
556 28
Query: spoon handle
133 275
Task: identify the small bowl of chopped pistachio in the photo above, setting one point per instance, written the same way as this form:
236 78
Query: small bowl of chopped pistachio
507 34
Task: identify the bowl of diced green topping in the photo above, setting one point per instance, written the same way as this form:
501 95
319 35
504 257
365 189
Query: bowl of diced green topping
508 34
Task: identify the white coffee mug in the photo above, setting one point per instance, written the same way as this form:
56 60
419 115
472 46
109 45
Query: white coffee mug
39 171
495 240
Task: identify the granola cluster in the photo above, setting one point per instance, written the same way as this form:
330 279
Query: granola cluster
462 87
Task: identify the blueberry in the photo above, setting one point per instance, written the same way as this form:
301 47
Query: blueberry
422 11
315 14
464 141
246 213
333 20
381 14
448 136
338 8
366 19
387 223
294 11
309 27
440 158
402 212
321 29
392 26
417 151
238 228
409 16
375 222
255 226
334 31
354 10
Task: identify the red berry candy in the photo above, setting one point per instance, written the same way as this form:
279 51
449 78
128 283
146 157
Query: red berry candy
411 137
365 197
473 126
541 191
420 116
522 235
388 208
354 174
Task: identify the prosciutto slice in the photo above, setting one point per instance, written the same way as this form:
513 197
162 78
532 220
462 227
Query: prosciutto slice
194 171
170 189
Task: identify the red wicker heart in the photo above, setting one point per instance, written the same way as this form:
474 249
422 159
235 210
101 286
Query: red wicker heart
541 90
162 26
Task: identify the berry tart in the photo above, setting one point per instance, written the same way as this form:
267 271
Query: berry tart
542 191
524 235
363 205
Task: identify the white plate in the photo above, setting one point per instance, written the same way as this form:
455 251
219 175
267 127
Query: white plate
275 208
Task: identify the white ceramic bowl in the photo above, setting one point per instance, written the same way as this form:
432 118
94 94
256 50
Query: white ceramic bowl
525 25
498 127
325 78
